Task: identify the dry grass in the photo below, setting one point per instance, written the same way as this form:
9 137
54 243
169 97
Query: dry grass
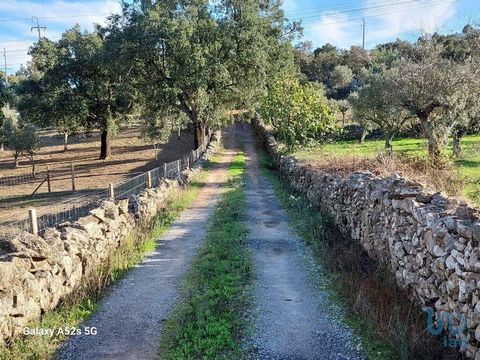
130 156
81 304
377 303
446 179
390 324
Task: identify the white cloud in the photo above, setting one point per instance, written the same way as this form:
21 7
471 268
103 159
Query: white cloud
333 29
56 15
385 23
422 19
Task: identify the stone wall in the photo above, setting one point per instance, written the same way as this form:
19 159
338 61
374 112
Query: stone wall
38 272
430 241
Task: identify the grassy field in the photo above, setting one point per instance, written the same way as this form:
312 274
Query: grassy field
469 165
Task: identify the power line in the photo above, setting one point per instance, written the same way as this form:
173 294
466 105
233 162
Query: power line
354 20
323 8
18 50
397 6
56 17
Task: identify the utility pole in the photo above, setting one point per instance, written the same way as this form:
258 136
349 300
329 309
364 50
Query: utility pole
38 27
364 26
5 58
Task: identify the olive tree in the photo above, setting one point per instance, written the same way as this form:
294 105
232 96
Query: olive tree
341 76
376 103
20 139
433 88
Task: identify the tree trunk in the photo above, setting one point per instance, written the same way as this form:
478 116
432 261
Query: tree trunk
33 167
389 143
15 163
65 141
343 118
199 135
105 146
88 130
457 144
436 143
363 136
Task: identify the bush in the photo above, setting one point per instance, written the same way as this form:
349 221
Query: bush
299 113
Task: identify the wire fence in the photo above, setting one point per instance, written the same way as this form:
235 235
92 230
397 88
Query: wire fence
80 206
11 181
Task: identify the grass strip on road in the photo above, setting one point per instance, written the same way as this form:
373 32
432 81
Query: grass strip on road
209 321
79 307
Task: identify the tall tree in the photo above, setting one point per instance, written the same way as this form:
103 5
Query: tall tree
202 58
82 77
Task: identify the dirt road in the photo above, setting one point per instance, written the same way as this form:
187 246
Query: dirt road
129 320
292 318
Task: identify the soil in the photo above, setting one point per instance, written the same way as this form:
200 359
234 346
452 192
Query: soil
131 156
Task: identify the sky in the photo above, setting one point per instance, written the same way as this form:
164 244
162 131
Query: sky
333 21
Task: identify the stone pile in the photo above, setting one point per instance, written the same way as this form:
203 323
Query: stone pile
38 272
430 241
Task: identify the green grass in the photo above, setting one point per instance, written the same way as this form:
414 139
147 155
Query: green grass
80 306
209 322
469 165
376 309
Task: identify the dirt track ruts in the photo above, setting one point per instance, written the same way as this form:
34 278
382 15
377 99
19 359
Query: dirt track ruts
129 320
292 318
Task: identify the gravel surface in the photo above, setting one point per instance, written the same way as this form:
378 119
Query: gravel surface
130 317
292 317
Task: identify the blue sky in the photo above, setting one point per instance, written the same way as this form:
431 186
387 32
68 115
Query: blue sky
337 22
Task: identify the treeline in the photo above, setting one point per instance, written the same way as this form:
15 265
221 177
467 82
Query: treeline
431 86
165 64
180 62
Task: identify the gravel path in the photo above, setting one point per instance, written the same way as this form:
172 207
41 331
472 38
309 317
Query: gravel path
292 318
129 320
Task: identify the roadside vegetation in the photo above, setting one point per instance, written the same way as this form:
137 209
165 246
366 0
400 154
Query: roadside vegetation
389 324
81 305
459 178
403 107
209 321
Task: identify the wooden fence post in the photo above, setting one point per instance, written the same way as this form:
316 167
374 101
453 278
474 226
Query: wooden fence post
165 175
32 217
178 167
72 172
149 179
111 191
48 179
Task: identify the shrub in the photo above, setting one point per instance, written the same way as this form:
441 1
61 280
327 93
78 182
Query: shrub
299 113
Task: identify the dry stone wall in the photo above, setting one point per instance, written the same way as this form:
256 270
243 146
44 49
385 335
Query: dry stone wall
430 241
38 272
